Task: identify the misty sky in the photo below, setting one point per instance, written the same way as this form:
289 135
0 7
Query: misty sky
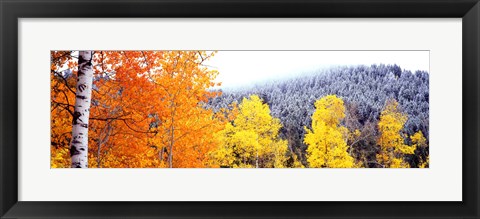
238 68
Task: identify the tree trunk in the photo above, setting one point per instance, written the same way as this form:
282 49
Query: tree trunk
107 130
83 95
172 135
170 154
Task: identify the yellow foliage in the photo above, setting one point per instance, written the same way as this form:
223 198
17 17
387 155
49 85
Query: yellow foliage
60 157
296 162
398 163
251 140
326 140
391 142
424 163
418 141
148 110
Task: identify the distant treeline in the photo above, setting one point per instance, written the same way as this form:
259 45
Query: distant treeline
365 91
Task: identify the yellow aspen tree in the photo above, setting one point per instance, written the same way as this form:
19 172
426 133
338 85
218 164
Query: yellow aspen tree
419 141
326 140
251 140
391 142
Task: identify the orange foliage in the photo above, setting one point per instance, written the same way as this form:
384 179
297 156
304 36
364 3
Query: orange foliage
185 128
61 109
145 105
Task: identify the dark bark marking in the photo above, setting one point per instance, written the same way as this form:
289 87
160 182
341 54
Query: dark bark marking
82 87
76 165
74 151
83 65
76 117
75 141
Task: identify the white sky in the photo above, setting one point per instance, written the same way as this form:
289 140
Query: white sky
239 68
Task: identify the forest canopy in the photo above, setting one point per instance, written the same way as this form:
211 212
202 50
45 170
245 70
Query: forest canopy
165 109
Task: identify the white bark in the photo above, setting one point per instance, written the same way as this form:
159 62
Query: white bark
79 143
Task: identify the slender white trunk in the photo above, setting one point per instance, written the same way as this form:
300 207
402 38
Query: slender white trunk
79 143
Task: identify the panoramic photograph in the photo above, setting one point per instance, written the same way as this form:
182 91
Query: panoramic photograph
239 109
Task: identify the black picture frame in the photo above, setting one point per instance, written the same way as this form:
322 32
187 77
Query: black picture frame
12 10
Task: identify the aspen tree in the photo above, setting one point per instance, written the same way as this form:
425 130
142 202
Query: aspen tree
326 141
391 142
83 95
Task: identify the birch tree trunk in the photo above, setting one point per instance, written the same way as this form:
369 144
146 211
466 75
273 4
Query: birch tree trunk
83 96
